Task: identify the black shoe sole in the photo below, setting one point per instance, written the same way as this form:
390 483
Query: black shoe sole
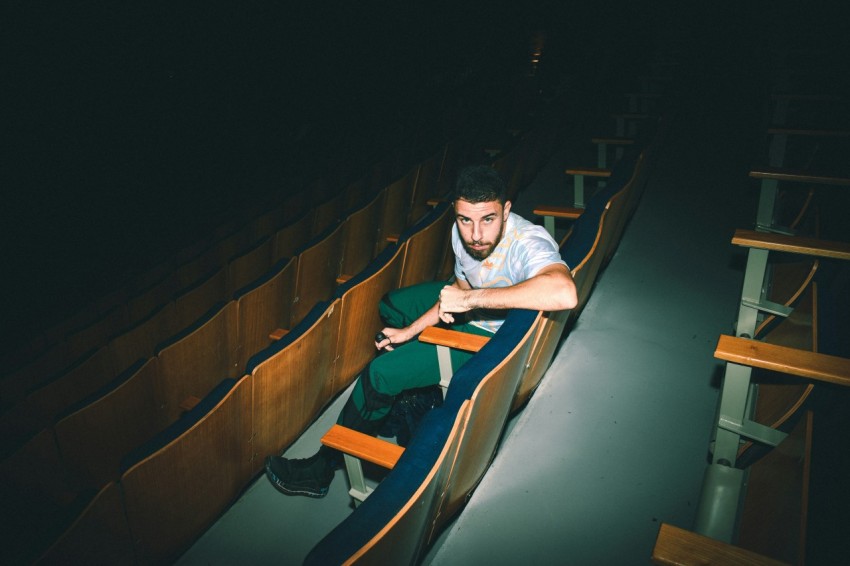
287 490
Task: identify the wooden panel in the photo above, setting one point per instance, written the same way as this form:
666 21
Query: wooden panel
193 303
15 385
327 214
98 333
249 266
773 520
425 250
489 407
151 299
288 239
198 362
291 387
678 547
360 321
396 207
550 329
425 186
140 341
802 363
791 244
361 236
178 492
100 535
80 381
94 439
318 268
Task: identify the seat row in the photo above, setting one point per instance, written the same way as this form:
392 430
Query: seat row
790 342
455 443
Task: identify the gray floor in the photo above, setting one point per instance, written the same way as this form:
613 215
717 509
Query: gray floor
614 440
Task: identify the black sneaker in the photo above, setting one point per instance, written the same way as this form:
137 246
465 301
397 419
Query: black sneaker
309 476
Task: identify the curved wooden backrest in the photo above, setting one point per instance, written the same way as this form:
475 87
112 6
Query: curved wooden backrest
98 333
141 340
249 265
292 380
488 411
361 236
425 186
181 488
292 237
192 303
404 538
426 246
263 307
359 318
328 213
94 438
543 347
399 195
100 535
318 270
192 363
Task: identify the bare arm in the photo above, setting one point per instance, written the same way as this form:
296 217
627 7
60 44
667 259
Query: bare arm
551 289
429 318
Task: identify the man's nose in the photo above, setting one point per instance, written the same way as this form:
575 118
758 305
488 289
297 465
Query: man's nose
476 232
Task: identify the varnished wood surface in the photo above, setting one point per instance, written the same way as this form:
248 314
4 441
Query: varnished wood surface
822 367
363 446
589 171
679 547
568 212
453 339
792 244
798 176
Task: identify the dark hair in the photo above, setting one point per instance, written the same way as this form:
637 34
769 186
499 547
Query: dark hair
479 183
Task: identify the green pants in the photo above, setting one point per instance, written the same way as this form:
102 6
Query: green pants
410 365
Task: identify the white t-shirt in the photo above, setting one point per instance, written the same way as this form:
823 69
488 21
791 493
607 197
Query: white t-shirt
524 250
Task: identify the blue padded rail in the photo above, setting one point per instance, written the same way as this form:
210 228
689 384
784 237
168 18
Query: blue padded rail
422 452
315 313
184 423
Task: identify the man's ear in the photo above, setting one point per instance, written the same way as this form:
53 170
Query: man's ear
506 210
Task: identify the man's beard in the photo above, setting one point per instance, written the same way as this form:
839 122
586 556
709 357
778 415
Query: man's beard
482 254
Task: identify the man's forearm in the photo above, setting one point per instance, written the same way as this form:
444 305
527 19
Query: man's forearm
551 290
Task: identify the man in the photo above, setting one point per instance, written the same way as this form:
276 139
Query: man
502 261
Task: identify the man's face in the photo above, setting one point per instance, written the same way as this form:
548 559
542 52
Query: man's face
481 225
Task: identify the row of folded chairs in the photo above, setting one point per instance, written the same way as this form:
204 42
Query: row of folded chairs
170 441
789 349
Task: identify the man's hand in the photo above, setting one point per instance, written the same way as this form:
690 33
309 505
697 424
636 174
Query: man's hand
452 300
389 337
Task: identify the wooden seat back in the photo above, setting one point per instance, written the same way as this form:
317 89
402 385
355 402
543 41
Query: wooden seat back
361 235
264 306
181 482
425 186
489 407
248 266
198 358
318 269
191 303
359 318
292 380
426 245
94 436
288 239
399 195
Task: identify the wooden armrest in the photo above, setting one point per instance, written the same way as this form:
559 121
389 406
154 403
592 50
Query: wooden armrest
434 201
559 211
792 244
808 132
613 141
777 174
678 547
803 363
363 446
590 172
392 238
453 339
276 335
189 403
343 278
